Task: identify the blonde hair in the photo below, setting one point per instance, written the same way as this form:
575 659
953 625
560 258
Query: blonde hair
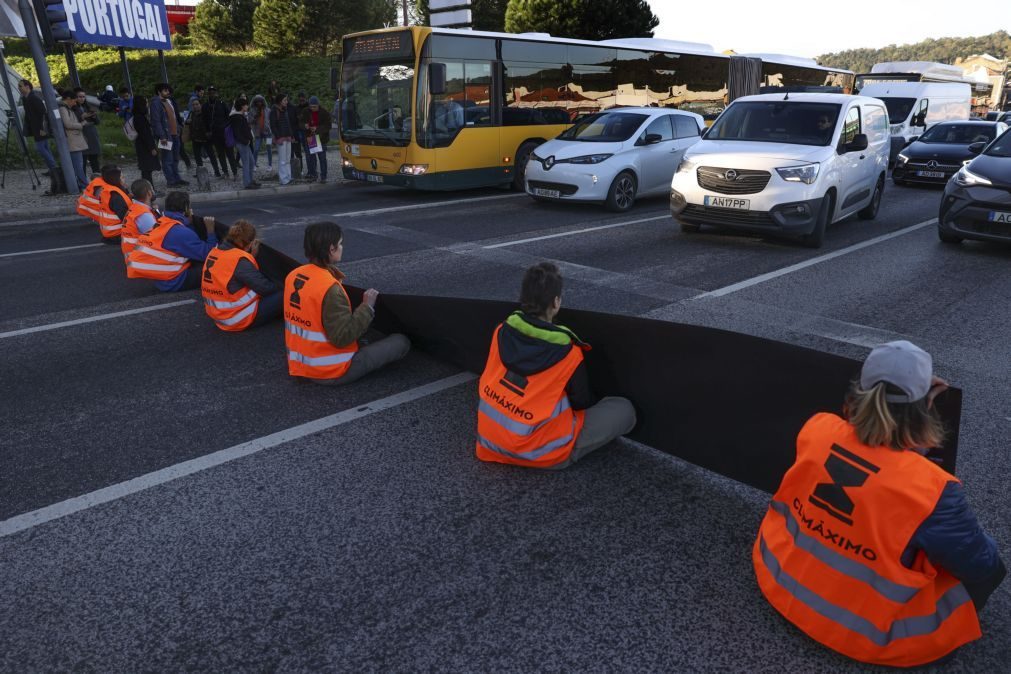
241 234
879 423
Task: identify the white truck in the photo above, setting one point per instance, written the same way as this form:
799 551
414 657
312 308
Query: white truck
914 106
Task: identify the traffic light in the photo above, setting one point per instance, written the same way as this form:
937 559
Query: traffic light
52 17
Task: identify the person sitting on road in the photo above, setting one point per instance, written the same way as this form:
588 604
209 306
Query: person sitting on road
237 295
113 203
321 330
868 546
140 218
536 408
166 254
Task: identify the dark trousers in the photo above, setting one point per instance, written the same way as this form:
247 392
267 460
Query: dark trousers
93 161
148 176
193 276
182 155
200 150
269 309
226 158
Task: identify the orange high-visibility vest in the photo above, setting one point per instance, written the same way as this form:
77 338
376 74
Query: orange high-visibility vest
109 223
130 232
231 312
310 353
149 258
828 552
527 421
89 203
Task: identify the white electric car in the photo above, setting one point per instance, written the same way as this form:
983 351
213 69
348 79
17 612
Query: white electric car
613 156
786 163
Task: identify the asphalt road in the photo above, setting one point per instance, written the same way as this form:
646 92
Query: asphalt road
374 540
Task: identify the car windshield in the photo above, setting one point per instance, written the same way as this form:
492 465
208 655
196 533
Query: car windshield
959 134
605 127
1000 147
898 108
794 122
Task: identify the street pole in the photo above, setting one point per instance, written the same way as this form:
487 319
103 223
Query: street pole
49 96
406 22
161 63
68 50
126 70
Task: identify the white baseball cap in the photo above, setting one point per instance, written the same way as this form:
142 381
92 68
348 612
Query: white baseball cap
901 364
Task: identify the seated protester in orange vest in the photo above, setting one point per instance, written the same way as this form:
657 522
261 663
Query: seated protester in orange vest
868 546
321 331
536 408
237 295
114 203
88 203
168 252
141 216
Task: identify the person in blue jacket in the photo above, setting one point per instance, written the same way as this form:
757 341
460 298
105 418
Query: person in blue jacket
186 242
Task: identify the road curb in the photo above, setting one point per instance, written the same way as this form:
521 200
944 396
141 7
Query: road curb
9 216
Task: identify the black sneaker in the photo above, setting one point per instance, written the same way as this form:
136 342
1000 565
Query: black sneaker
252 186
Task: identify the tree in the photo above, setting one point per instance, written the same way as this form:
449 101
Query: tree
485 14
583 19
223 25
278 26
327 21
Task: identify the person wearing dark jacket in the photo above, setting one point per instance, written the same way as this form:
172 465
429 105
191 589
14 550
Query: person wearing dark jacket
216 118
200 136
165 126
868 545
36 122
294 114
245 282
536 406
315 122
284 137
146 145
89 117
243 141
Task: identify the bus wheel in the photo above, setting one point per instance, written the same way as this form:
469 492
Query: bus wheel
621 196
520 166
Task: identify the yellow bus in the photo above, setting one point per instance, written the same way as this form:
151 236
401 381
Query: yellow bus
442 109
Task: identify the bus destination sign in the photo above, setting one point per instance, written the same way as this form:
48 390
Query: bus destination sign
379 46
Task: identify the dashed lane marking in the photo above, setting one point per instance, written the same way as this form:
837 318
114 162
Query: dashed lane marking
54 250
431 204
741 285
93 319
666 216
117 491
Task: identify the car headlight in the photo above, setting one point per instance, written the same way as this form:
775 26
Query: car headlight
806 174
589 159
902 159
686 166
967 178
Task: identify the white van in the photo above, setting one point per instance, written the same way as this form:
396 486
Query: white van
785 163
914 106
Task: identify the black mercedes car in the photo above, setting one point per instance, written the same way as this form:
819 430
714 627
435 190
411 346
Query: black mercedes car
935 156
977 200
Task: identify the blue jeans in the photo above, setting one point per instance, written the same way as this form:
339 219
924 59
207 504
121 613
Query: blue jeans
257 143
77 159
42 147
246 155
170 162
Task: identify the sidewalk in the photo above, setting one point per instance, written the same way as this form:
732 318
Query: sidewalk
18 200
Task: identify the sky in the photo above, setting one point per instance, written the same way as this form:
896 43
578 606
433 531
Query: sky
813 28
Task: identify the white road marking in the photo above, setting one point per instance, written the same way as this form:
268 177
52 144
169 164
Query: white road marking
431 204
55 250
92 319
117 491
666 216
733 288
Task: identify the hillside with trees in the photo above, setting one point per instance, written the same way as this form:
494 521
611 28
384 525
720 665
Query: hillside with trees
941 50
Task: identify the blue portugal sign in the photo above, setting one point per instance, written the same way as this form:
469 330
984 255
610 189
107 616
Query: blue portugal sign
117 23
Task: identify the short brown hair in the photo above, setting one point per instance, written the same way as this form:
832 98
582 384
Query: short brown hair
241 234
879 423
542 283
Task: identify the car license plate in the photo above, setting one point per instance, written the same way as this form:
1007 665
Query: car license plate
374 179
356 151
553 194
998 216
727 202
930 174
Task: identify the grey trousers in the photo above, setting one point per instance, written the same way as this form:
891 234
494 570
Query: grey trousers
371 357
605 421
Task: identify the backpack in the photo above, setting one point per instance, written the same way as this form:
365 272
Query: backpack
229 137
128 130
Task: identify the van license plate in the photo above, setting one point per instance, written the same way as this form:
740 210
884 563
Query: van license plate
551 194
373 179
930 174
727 202
998 216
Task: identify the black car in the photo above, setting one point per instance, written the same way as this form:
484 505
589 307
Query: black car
936 155
977 201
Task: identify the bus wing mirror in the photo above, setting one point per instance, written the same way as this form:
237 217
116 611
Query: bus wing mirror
437 78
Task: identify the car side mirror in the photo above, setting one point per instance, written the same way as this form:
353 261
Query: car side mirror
912 139
653 138
437 78
858 144
976 148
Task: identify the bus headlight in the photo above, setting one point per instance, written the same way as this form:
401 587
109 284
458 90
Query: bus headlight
806 174
413 169
348 164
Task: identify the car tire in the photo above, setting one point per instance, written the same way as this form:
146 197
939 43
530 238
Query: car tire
688 228
817 236
621 194
948 238
870 211
520 166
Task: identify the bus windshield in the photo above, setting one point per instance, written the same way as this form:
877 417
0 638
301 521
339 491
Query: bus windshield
376 102
898 108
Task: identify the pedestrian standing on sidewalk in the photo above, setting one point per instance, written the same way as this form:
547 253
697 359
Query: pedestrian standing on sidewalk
124 106
280 124
243 141
259 123
295 114
146 144
37 123
75 135
316 122
216 116
165 125
200 136
89 117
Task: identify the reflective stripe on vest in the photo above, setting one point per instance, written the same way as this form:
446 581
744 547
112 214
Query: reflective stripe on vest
242 315
130 232
231 311
160 254
533 454
320 361
900 629
514 425
109 222
146 266
308 335
241 302
310 353
150 260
